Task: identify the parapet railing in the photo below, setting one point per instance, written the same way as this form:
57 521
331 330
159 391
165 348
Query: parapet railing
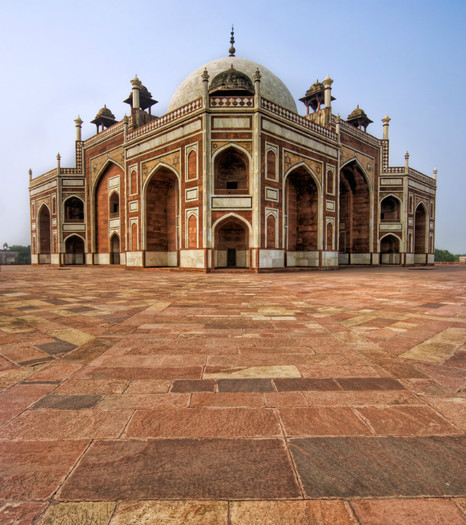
359 133
231 102
297 119
112 130
166 119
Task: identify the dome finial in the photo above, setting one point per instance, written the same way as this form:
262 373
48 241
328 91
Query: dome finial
232 49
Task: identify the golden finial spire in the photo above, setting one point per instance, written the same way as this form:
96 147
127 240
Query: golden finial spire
232 49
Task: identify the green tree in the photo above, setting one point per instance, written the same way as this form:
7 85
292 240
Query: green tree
445 256
24 253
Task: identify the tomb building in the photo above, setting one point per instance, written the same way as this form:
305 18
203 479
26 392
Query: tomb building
232 176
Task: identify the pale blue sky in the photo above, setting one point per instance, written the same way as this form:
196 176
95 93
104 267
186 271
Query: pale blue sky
64 58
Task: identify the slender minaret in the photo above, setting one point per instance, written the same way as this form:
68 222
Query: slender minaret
385 121
78 123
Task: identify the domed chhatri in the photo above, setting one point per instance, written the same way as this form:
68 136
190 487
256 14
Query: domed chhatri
232 177
272 88
358 118
104 118
231 82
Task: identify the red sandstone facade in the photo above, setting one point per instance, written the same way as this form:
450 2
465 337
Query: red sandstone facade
232 176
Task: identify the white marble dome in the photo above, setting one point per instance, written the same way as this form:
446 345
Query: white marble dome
272 88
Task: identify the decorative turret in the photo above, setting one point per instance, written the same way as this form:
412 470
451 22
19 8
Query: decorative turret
320 93
359 119
140 97
104 118
231 82
78 123
385 121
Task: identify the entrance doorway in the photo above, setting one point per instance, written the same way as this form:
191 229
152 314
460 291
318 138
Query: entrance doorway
74 250
115 249
231 244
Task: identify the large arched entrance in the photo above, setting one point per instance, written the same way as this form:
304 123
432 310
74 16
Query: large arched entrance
231 244
355 216
105 198
390 250
44 235
162 195
420 226
302 218
115 249
74 250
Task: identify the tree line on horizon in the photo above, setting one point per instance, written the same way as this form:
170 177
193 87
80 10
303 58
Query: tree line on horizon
24 254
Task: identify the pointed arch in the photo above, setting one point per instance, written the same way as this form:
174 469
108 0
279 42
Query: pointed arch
232 237
161 205
74 249
114 248
390 208
107 182
302 209
389 248
231 170
45 234
420 229
356 213
73 207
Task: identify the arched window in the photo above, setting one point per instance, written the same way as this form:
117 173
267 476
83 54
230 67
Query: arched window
134 236
390 209
330 183
114 204
133 182
74 210
231 172
192 165
271 165
271 231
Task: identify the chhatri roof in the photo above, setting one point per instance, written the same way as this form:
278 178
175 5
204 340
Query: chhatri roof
232 81
272 88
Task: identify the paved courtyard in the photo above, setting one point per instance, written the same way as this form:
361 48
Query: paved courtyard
133 397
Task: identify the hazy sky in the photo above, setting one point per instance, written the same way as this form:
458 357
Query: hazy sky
62 58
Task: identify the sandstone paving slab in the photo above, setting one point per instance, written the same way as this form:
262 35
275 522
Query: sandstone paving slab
182 469
16 399
149 386
369 383
322 421
245 385
33 470
200 385
364 467
301 384
92 386
204 423
57 347
318 512
67 402
362 398
143 401
192 372
56 371
227 399
423 511
250 372
17 513
406 421
66 424
453 409
171 513
87 513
